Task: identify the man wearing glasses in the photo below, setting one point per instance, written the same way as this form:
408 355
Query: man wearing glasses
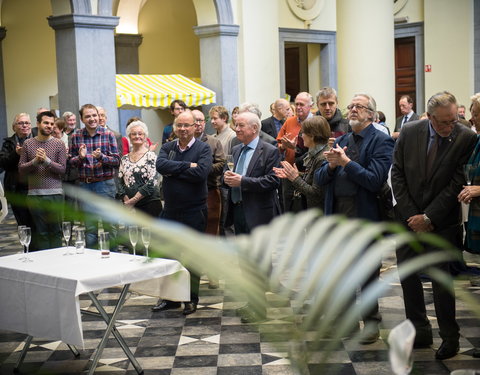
185 164
356 170
16 188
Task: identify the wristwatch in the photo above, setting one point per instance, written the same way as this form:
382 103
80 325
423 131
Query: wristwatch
427 219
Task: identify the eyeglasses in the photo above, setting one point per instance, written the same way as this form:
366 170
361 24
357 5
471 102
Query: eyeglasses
180 126
22 123
358 106
135 134
199 121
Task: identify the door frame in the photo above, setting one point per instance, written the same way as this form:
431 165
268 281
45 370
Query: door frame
328 52
415 29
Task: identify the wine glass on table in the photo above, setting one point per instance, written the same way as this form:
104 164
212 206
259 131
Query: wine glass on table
27 237
146 239
133 234
21 237
67 232
230 163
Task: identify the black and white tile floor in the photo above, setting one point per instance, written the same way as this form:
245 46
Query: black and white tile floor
214 341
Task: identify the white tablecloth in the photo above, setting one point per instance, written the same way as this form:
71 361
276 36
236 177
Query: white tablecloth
40 298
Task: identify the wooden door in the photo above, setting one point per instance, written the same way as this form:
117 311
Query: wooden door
405 80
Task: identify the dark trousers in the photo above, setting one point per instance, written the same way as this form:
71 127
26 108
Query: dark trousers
214 203
443 299
195 219
46 212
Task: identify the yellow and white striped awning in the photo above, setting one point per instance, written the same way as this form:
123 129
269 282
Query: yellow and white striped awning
158 91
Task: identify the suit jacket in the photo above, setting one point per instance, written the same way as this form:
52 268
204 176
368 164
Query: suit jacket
259 186
263 136
369 174
434 195
398 122
268 126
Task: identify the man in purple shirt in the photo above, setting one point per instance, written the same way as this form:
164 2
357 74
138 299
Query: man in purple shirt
94 153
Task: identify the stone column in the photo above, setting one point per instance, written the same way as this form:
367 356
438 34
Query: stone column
218 61
126 59
86 62
366 52
4 122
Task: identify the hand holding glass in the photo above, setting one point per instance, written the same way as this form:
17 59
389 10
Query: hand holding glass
468 170
230 163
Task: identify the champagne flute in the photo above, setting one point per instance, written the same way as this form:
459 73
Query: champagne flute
133 234
146 239
21 237
67 232
230 163
27 233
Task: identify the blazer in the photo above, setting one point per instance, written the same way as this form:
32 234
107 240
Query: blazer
268 126
259 186
398 122
434 195
263 136
369 174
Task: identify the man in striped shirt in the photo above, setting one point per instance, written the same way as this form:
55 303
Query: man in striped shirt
94 153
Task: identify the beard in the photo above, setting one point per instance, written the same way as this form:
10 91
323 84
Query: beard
354 123
45 132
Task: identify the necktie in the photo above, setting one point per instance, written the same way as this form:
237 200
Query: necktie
405 119
236 191
432 153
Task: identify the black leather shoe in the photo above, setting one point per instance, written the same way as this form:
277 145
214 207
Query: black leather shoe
369 336
166 305
476 353
241 310
422 342
251 316
189 308
448 349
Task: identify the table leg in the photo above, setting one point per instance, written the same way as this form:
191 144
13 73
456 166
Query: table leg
110 320
23 353
74 350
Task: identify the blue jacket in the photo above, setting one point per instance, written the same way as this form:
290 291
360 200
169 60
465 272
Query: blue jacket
369 174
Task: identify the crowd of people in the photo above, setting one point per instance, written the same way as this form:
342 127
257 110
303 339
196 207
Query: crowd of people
251 170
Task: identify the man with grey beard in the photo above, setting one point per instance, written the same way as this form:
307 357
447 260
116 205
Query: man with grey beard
356 170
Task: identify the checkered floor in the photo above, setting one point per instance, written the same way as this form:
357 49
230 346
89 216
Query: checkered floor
214 341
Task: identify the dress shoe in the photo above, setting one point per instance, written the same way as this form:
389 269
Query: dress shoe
422 342
241 310
448 349
369 336
251 316
165 304
476 353
190 308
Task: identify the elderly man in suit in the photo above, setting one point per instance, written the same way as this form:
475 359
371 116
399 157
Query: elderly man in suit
252 198
406 109
427 177
273 124
356 170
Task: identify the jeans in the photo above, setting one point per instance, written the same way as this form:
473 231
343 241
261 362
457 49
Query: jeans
106 189
46 212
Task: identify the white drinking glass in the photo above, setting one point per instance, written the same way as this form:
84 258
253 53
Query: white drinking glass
26 240
230 163
104 244
133 234
21 237
146 239
67 232
80 240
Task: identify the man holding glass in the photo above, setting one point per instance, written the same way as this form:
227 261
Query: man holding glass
185 164
43 159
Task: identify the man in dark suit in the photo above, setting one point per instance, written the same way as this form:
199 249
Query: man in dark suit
427 176
356 171
252 196
406 109
273 124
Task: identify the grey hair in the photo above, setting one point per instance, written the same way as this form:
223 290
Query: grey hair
326 92
307 95
440 99
17 116
67 114
250 107
252 120
134 124
475 100
372 104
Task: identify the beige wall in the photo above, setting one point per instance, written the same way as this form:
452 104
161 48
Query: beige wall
413 9
28 56
169 47
449 48
325 21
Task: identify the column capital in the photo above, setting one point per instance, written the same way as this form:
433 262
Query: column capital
70 21
216 30
3 32
128 40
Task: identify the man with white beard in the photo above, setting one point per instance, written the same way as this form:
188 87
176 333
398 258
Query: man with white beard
356 170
